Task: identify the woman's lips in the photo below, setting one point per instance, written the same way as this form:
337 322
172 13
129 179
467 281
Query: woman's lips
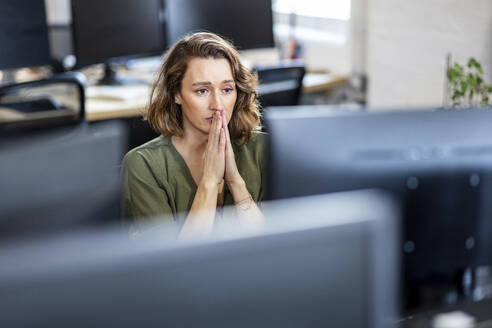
210 118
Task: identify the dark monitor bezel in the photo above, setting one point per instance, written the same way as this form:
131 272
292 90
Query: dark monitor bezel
235 42
366 151
218 281
80 63
62 179
47 60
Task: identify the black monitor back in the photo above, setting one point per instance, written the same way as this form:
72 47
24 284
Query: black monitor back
109 29
437 162
320 262
23 34
60 180
247 23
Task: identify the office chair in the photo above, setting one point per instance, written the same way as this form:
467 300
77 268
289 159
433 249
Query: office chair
42 104
280 85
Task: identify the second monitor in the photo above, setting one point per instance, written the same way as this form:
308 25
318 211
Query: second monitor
106 31
23 35
437 162
248 24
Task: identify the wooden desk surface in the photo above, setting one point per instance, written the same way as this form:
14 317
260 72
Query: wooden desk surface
319 82
108 102
97 110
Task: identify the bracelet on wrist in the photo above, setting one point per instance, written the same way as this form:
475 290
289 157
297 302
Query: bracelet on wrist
244 204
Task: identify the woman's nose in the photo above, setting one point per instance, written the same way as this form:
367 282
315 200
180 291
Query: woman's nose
215 101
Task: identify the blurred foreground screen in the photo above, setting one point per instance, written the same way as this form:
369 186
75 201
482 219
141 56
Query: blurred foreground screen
318 262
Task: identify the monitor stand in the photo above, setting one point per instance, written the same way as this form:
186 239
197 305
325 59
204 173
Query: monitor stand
111 77
8 77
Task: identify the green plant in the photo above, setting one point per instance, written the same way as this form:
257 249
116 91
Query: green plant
466 85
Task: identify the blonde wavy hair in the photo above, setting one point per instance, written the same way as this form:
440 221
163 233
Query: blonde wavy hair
165 116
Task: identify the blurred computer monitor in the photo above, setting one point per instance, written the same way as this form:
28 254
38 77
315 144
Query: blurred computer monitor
106 31
248 24
328 261
24 34
55 181
437 162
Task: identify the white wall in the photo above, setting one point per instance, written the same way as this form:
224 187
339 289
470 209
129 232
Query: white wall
358 36
408 41
325 56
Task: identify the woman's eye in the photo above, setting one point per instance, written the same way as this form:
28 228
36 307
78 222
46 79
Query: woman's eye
228 90
201 91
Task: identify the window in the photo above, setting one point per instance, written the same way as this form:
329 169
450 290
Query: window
334 9
315 20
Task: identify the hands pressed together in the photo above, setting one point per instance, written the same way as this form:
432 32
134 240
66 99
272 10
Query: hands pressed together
219 162
219 165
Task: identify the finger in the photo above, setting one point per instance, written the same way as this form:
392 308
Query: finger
224 120
228 139
218 127
213 135
222 141
226 130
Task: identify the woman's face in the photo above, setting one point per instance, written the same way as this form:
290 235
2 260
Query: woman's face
207 86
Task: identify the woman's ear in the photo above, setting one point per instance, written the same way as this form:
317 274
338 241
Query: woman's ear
177 99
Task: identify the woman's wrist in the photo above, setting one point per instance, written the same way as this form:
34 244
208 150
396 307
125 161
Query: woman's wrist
238 190
236 184
244 204
209 185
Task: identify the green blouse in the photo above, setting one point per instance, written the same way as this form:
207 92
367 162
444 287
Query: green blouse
157 182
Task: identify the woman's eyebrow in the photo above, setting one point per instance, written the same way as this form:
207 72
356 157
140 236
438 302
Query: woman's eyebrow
210 83
201 83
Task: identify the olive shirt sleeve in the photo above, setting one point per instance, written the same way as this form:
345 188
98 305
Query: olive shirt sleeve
263 154
250 161
143 194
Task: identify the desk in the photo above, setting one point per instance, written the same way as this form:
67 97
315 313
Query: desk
105 102
320 82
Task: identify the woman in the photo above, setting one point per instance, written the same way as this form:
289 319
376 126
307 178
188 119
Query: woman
210 152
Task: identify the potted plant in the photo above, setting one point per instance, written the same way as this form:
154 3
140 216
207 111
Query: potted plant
466 85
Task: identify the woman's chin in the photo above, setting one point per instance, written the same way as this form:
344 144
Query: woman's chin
206 130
